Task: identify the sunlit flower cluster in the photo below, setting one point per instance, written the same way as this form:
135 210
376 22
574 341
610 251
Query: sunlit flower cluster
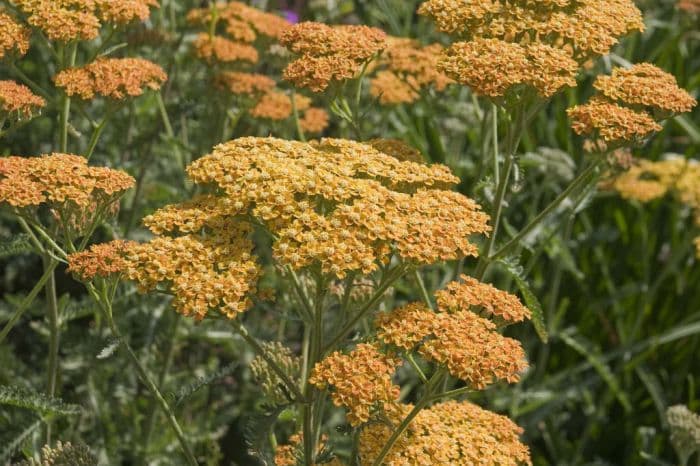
629 104
114 78
491 67
329 54
58 179
342 204
241 22
452 432
406 69
14 38
360 381
17 102
222 50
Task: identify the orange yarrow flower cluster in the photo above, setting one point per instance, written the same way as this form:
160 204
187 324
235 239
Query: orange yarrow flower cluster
100 260
244 84
629 103
329 54
453 432
222 50
114 78
125 11
341 204
314 120
58 180
277 105
689 6
17 102
241 22
360 381
537 44
406 69
14 37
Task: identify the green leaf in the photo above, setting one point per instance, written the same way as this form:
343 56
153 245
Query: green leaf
41 404
13 445
18 244
531 300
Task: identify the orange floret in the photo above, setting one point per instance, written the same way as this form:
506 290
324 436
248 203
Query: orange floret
220 49
250 84
611 122
17 101
14 38
315 120
125 11
62 20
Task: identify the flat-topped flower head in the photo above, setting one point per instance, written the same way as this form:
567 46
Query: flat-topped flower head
584 28
612 123
247 84
100 260
125 11
277 105
241 22
406 69
647 86
14 37
314 120
493 67
359 381
343 205
451 433
329 53
18 102
58 179
62 20
114 78
221 50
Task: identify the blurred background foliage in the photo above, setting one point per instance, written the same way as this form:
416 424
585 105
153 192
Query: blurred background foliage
618 280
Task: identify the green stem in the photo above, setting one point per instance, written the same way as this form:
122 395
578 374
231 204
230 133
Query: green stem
33 85
106 306
24 305
169 130
54 334
579 182
420 404
423 290
297 121
94 139
496 167
416 367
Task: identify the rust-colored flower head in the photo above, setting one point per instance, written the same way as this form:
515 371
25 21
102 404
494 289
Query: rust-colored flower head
247 84
329 53
62 20
406 69
612 123
689 6
222 50
493 67
59 180
17 102
14 37
114 78
277 105
647 86
381 205
314 120
584 28
124 11
100 260
450 433
360 381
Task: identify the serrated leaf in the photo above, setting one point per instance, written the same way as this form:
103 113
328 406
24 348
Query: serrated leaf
13 445
39 403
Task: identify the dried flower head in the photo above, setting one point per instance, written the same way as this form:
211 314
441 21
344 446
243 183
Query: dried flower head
407 68
114 78
453 432
584 28
329 53
314 120
125 11
610 122
222 50
277 105
492 67
14 38
467 345
647 86
342 204
58 179
249 84
17 102
63 454
101 260
62 20
685 431
360 381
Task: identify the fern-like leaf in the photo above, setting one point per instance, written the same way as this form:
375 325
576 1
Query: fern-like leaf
18 244
13 445
39 403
